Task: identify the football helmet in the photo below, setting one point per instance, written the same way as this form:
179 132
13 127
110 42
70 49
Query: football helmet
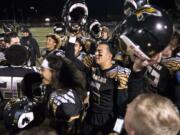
59 28
21 113
75 14
94 28
147 32
18 113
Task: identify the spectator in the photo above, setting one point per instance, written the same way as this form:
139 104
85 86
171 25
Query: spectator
151 114
28 41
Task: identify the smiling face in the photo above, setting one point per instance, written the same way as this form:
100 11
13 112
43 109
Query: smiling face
50 43
103 56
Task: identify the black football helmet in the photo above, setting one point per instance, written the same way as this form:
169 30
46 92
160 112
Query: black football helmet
147 32
59 28
23 113
17 114
75 14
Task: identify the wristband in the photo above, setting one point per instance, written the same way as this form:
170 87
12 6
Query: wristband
118 125
72 39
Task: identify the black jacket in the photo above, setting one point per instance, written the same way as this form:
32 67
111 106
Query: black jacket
33 48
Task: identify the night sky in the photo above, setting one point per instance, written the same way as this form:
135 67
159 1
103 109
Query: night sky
23 10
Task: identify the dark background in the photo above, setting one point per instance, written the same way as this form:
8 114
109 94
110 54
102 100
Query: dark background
37 10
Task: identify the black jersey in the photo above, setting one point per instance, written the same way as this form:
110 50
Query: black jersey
173 65
10 79
160 78
32 46
104 86
108 95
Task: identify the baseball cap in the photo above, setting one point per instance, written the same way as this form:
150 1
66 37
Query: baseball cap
25 29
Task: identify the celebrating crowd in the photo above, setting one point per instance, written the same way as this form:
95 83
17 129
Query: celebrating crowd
90 79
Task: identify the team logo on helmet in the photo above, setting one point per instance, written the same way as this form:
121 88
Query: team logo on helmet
147 10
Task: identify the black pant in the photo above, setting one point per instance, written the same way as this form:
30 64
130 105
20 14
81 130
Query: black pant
93 127
1 97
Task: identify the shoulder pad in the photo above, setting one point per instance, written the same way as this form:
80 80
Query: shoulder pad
121 75
173 64
88 60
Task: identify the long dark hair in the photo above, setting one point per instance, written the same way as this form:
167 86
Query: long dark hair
66 75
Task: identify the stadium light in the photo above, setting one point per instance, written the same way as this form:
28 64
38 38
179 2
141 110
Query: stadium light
47 19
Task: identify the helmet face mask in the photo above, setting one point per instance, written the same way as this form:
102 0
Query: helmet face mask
73 27
96 29
130 6
141 3
77 14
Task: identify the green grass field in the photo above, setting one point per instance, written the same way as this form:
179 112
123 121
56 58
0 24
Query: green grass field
39 33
